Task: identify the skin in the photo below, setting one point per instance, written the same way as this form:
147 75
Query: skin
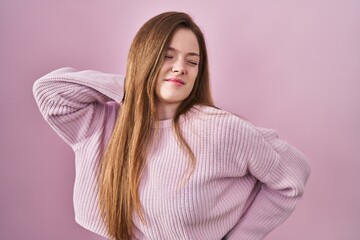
178 73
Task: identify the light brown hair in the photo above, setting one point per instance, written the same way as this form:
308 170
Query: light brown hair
125 156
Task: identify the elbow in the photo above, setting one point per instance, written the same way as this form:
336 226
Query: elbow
36 89
39 91
295 172
46 80
300 169
44 96
301 177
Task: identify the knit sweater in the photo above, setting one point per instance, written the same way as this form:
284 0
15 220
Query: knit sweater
246 181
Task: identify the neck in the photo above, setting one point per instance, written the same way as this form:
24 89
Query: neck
166 110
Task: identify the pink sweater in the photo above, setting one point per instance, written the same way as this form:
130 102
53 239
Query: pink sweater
246 182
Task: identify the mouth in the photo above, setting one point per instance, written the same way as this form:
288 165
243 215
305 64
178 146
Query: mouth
176 81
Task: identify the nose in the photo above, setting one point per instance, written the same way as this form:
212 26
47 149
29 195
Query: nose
179 67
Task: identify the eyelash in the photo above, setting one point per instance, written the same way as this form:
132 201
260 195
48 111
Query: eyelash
193 63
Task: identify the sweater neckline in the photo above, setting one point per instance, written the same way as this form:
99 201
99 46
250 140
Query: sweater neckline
167 123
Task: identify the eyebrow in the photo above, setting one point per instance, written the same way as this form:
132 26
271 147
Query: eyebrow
190 53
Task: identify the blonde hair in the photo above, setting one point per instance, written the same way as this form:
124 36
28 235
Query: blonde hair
125 156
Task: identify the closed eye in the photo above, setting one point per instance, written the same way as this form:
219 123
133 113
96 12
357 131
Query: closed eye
168 57
194 63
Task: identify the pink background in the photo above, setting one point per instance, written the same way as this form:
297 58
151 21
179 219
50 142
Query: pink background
289 65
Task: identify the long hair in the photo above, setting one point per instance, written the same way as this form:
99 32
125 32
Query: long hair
124 159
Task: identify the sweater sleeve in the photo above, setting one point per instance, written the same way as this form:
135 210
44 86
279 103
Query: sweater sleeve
72 101
282 172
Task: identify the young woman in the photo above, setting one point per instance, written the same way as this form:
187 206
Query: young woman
156 159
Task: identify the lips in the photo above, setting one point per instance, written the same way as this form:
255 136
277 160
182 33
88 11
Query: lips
176 81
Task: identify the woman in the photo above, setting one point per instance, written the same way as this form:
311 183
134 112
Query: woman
157 160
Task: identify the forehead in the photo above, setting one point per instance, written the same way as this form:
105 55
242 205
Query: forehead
184 40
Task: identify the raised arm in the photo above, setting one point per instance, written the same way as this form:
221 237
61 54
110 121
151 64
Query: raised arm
283 172
73 101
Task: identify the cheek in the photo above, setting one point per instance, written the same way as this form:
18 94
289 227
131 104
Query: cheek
193 75
192 79
161 76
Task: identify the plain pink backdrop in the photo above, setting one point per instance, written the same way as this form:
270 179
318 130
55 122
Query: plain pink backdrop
289 65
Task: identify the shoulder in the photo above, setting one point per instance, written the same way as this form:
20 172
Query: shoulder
232 124
216 121
214 116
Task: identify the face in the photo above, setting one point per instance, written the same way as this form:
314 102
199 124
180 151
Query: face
179 70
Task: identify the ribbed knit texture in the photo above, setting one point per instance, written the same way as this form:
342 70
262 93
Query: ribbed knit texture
246 181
